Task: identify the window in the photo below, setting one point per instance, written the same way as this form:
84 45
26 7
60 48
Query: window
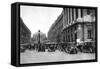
68 38
71 36
75 36
89 34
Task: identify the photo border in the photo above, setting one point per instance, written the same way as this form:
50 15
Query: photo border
18 4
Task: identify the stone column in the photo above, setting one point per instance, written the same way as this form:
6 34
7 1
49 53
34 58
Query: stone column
66 16
74 14
79 13
70 15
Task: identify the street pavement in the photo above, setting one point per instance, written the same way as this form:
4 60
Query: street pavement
38 57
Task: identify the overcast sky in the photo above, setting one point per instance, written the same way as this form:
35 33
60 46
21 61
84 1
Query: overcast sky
39 18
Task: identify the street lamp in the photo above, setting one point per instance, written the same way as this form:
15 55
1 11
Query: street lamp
39 36
38 40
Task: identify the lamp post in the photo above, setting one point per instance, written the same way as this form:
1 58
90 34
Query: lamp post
39 36
38 40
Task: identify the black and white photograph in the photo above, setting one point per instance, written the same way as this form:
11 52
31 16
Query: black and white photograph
54 34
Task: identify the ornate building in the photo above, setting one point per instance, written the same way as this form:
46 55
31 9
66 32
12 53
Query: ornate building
78 25
74 25
25 33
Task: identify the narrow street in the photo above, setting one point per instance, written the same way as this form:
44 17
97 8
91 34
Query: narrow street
36 57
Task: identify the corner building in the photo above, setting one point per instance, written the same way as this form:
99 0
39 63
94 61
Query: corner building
78 25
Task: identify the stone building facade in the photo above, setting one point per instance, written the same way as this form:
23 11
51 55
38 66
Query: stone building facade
39 37
78 25
54 33
25 33
74 25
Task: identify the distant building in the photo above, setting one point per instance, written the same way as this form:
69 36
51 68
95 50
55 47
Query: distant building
25 33
39 37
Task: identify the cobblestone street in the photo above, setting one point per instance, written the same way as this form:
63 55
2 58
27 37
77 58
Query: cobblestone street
36 57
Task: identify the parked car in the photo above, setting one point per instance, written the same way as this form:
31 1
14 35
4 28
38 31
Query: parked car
25 46
51 48
88 47
80 47
62 47
72 50
22 49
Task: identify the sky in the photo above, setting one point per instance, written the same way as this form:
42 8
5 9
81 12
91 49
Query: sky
39 18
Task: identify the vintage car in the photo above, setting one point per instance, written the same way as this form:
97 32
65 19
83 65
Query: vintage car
80 47
68 47
24 46
52 47
22 49
87 47
72 50
62 47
